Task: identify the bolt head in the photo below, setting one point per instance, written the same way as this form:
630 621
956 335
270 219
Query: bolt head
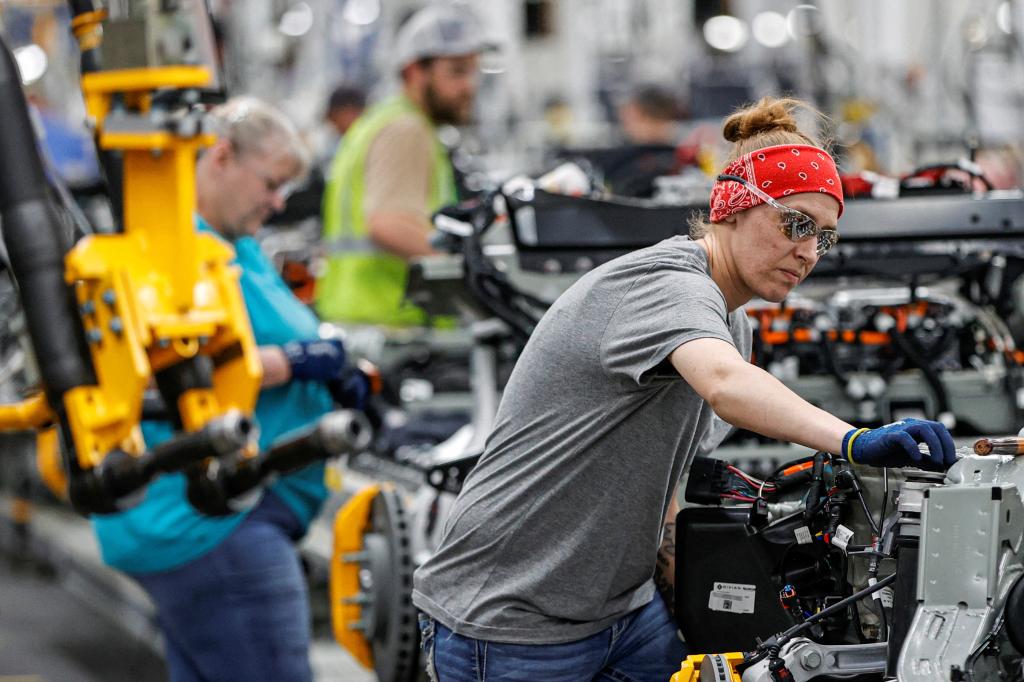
810 660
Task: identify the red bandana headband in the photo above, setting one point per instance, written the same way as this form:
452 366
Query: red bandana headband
778 172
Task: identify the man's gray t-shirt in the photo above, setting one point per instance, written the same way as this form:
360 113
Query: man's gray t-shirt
556 531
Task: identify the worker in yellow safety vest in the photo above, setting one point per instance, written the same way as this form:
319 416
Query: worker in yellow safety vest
392 172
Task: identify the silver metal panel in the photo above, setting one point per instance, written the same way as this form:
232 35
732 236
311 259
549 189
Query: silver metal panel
939 638
961 529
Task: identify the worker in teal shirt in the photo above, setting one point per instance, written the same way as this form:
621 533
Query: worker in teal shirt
230 593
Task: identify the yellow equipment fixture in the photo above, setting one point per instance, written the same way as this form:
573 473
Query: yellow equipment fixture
114 313
710 668
350 525
158 293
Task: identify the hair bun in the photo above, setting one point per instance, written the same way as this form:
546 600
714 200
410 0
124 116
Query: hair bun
768 115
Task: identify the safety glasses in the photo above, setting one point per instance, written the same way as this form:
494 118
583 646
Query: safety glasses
796 225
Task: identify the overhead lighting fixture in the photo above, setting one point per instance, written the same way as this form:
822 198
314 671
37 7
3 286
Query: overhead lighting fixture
297 20
1004 18
769 29
361 12
803 21
725 32
976 34
32 62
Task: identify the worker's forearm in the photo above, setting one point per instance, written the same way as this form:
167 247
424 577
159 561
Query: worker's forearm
403 234
276 370
750 398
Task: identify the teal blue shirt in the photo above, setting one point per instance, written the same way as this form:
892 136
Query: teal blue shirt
164 531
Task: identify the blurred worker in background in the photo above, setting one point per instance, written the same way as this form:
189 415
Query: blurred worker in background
392 172
230 591
345 104
550 561
651 116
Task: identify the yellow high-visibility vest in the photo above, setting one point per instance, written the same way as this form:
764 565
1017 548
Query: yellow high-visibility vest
361 283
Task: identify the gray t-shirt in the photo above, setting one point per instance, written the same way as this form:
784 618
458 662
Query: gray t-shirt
556 531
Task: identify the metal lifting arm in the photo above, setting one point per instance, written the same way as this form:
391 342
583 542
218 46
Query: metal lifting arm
157 302
106 314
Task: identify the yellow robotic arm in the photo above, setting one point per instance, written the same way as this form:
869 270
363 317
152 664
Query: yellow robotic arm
155 302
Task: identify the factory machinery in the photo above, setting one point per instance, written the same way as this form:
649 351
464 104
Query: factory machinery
852 573
914 313
153 303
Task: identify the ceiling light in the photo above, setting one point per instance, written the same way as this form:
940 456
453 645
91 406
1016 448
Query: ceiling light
769 29
726 33
297 20
361 12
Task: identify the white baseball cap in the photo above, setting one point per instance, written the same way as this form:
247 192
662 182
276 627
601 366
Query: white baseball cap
443 30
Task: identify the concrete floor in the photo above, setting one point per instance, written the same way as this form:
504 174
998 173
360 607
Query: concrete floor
65 617
46 633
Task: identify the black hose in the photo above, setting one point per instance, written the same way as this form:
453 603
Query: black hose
828 354
815 489
111 161
778 642
491 287
931 375
91 55
36 247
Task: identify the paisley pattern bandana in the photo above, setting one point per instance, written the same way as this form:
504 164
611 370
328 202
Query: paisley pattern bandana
778 171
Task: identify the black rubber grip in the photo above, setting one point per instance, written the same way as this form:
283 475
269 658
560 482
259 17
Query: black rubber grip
35 245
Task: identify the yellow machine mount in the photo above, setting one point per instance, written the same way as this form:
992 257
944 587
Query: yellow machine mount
155 301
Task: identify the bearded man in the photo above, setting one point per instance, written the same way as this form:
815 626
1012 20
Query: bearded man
393 172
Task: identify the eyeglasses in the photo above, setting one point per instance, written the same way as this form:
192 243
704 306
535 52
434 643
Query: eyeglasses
282 188
796 225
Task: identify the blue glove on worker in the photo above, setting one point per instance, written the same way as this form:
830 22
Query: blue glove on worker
317 360
896 445
351 390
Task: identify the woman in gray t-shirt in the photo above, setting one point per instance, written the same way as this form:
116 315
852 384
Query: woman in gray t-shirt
548 563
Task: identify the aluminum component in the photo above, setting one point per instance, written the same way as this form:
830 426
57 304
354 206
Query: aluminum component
966 527
808 660
231 432
344 431
971 545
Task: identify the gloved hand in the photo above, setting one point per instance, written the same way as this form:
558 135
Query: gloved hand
351 390
895 445
317 360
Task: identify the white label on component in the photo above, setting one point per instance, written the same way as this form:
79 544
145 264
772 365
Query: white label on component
885 595
732 597
803 535
842 537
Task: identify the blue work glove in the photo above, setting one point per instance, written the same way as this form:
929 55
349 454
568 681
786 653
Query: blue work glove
317 360
895 445
351 389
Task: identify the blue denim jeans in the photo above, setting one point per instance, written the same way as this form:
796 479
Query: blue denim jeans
240 612
640 647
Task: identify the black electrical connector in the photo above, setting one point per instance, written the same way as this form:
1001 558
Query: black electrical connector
759 513
708 479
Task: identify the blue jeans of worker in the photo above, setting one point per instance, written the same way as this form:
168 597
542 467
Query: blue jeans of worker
240 612
640 647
